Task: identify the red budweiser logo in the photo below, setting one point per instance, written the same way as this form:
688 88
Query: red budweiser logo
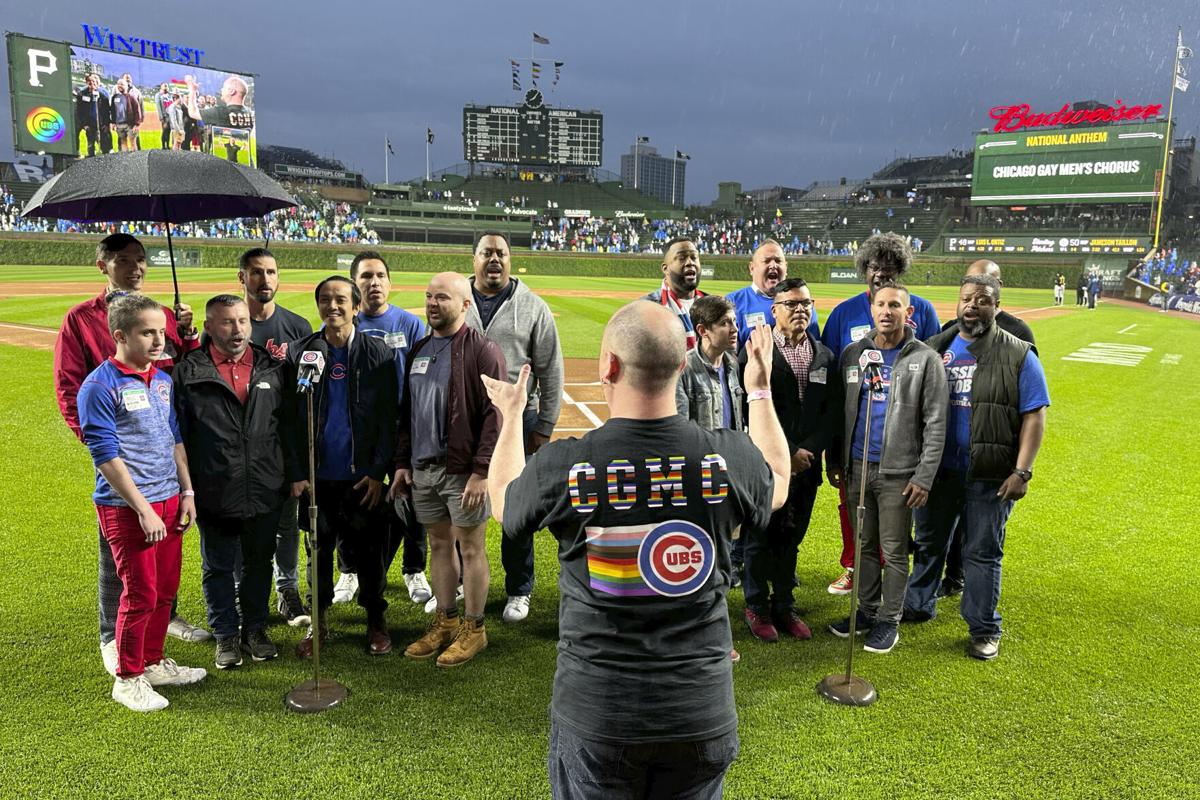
1014 118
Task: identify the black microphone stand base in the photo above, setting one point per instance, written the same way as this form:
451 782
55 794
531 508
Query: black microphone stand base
313 697
847 690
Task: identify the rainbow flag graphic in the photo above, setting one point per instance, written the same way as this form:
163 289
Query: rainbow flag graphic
612 558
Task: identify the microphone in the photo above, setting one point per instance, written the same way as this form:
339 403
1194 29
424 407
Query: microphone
870 363
312 366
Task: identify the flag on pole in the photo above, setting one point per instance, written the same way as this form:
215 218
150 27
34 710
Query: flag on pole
429 135
643 140
540 39
537 71
1182 83
1181 51
388 140
557 72
682 156
516 74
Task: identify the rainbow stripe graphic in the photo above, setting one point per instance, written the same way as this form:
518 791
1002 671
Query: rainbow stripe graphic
612 558
45 124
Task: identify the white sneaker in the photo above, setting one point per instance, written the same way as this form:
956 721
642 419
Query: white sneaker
347 585
185 631
431 603
108 653
516 609
137 694
418 587
168 673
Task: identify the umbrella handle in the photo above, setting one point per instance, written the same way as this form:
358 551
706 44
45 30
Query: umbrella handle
171 252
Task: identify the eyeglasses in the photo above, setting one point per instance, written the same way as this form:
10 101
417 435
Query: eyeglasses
791 305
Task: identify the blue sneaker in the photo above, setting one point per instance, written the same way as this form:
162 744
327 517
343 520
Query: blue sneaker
842 629
882 638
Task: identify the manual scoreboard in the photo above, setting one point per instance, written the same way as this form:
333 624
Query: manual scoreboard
533 134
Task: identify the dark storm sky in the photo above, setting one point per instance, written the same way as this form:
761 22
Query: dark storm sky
763 93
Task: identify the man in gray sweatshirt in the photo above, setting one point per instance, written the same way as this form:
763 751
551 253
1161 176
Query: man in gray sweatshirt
897 458
520 322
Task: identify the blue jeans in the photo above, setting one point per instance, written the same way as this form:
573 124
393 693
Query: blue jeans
581 768
287 547
516 555
223 543
981 517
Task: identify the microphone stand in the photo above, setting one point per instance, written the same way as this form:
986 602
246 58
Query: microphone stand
846 688
316 695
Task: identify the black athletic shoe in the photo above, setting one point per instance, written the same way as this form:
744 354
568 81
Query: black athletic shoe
292 608
229 653
950 587
984 648
882 638
256 645
862 626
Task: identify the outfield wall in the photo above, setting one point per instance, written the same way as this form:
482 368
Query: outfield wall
75 250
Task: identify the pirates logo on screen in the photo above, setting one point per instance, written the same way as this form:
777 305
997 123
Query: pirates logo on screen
676 558
45 124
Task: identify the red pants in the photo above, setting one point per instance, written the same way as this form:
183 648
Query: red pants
150 575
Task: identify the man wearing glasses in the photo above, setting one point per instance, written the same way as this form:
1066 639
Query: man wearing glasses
883 257
800 375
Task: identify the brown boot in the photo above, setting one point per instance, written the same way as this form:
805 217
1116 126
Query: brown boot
305 648
471 638
379 641
441 632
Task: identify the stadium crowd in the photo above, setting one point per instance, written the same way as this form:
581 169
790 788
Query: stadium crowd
314 220
1167 267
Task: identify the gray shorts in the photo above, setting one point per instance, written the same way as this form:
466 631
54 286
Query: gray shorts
437 494
124 130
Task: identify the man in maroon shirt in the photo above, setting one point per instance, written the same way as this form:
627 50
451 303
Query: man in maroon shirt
84 343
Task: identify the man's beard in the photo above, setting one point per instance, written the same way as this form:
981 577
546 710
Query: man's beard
976 327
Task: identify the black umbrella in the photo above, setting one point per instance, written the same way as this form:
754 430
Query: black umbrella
157 186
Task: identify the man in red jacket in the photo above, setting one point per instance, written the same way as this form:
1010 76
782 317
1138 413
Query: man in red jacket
448 429
83 344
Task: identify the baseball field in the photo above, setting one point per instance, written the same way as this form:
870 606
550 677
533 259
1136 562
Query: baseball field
1092 695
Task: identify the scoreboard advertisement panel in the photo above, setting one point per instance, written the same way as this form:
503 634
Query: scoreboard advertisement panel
1056 244
533 134
73 100
1109 164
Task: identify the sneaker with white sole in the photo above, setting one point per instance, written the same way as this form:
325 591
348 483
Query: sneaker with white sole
108 654
418 587
185 631
516 609
882 638
137 694
168 673
431 603
345 588
292 608
843 585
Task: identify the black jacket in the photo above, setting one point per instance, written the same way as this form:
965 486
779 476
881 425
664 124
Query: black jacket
235 452
372 392
809 423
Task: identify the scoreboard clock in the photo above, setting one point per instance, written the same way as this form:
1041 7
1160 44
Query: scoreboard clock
533 134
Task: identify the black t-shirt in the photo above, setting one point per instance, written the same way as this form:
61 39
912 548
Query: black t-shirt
227 116
275 333
643 511
488 306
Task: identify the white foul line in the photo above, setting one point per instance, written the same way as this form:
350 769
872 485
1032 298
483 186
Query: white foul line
1127 330
27 328
587 412
1033 310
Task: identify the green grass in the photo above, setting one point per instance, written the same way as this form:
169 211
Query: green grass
1092 695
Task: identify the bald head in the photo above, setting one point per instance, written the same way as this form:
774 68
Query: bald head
985 266
446 302
649 343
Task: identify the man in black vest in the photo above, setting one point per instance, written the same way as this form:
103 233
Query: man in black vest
998 399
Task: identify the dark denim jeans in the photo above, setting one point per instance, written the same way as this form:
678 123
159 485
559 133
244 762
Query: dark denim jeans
223 543
981 517
583 769
516 555
770 574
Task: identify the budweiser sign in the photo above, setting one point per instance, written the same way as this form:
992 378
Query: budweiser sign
1014 118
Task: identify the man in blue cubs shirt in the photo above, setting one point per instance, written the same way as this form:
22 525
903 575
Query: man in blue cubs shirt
998 399
882 257
643 508
400 330
752 305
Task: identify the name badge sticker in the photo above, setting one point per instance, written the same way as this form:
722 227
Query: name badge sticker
755 319
852 375
817 375
396 340
420 366
914 367
135 398
858 332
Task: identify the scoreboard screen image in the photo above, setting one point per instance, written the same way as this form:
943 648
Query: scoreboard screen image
533 134
1107 164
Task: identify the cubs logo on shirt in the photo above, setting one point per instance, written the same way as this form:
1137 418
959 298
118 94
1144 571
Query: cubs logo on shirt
667 559
338 371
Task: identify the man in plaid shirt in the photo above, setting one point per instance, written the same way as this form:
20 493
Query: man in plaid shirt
805 405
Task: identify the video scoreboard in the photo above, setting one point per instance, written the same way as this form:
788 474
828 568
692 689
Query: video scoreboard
533 134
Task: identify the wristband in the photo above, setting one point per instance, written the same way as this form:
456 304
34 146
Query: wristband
187 493
758 394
